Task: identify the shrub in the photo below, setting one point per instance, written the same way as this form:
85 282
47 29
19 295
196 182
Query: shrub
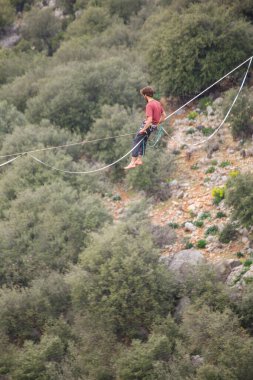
40 27
207 131
205 215
152 177
210 170
220 215
228 233
204 102
134 287
213 230
218 194
240 117
224 164
190 131
234 173
192 115
211 37
198 223
74 102
201 243
240 196
7 14
163 235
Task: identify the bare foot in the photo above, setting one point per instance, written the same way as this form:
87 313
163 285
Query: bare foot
130 166
138 162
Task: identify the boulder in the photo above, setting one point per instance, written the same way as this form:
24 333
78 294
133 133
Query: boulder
223 268
182 262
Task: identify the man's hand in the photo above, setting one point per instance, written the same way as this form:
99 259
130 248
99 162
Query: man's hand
142 131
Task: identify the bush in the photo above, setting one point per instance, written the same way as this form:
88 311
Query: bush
40 27
240 117
7 14
218 194
153 176
228 233
210 170
48 235
213 230
213 40
201 243
163 235
134 288
240 197
74 102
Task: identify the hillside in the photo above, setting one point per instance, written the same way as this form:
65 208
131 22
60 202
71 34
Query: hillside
109 274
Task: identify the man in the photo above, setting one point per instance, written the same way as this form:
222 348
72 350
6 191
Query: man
155 115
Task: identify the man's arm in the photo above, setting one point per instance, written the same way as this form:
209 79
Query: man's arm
147 124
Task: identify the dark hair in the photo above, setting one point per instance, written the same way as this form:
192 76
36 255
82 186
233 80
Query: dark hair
148 91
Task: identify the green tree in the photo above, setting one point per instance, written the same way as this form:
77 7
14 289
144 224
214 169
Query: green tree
74 102
153 177
212 41
50 233
7 13
134 288
239 195
40 27
25 312
240 117
93 20
149 360
10 118
219 339
35 360
125 9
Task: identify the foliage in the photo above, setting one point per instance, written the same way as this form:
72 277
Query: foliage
40 28
207 131
213 39
148 360
217 337
212 230
201 243
204 102
224 164
220 215
218 194
51 232
192 115
7 14
210 170
74 102
163 235
25 312
114 121
10 118
240 117
93 20
239 196
228 233
134 288
153 176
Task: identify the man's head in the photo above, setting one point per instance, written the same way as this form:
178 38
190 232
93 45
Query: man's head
147 91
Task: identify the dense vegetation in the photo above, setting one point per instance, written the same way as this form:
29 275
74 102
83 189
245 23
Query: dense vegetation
82 297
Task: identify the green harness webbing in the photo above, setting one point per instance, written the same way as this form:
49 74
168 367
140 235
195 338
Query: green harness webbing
157 135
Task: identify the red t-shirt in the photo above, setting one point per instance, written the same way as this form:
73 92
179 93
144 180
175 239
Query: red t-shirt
154 109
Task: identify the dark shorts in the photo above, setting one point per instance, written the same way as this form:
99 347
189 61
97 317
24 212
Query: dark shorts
141 139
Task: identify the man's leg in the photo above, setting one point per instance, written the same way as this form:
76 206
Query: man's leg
137 142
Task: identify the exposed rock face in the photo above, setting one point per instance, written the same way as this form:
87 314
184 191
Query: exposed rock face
223 268
181 263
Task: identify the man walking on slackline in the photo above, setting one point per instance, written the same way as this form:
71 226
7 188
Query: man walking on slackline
155 115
